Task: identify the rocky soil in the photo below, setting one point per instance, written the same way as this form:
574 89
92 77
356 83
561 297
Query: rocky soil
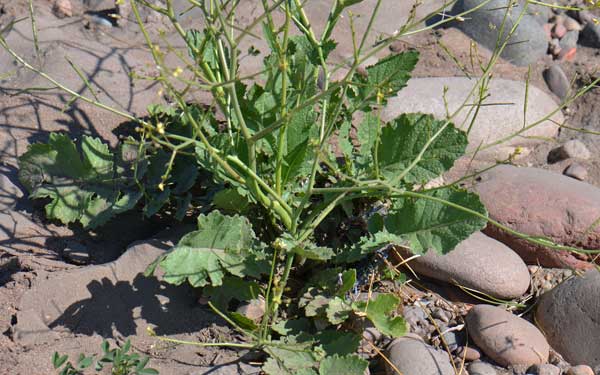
497 305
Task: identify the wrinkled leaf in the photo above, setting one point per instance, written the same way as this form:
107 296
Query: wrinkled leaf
429 224
221 244
403 139
82 187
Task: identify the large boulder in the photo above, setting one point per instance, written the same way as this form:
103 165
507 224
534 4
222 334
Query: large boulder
568 315
537 202
495 122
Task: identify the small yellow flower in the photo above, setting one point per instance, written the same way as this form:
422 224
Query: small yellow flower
156 48
161 186
160 128
119 2
595 21
160 92
150 331
177 72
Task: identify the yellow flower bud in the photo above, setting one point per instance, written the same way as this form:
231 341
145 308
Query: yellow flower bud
160 128
177 72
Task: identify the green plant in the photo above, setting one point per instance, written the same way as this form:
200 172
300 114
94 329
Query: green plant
298 156
119 360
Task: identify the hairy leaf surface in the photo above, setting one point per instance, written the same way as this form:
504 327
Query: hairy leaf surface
403 140
431 224
89 187
222 244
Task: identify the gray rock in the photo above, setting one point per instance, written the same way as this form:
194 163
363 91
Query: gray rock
557 81
480 263
572 25
580 370
590 35
413 357
576 171
484 25
506 338
426 95
568 315
570 40
574 149
481 368
542 203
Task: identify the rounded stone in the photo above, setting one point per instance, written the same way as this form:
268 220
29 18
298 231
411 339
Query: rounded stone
479 263
545 369
568 315
572 25
493 123
559 30
580 370
481 368
575 149
590 35
253 309
537 202
557 81
485 23
570 40
468 353
576 171
506 338
412 356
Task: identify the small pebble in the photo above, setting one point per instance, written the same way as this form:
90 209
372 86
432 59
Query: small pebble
590 35
567 54
63 8
554 46
545 369
253 309
441 314
572 25
569 40
576 171
468 353
575 149
580 370
557 81
481 368
559 30
585 16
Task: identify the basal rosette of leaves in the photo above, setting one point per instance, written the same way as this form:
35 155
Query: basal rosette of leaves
296 152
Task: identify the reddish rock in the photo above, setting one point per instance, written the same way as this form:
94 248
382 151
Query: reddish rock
506 338
537 202
559 30
567 54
